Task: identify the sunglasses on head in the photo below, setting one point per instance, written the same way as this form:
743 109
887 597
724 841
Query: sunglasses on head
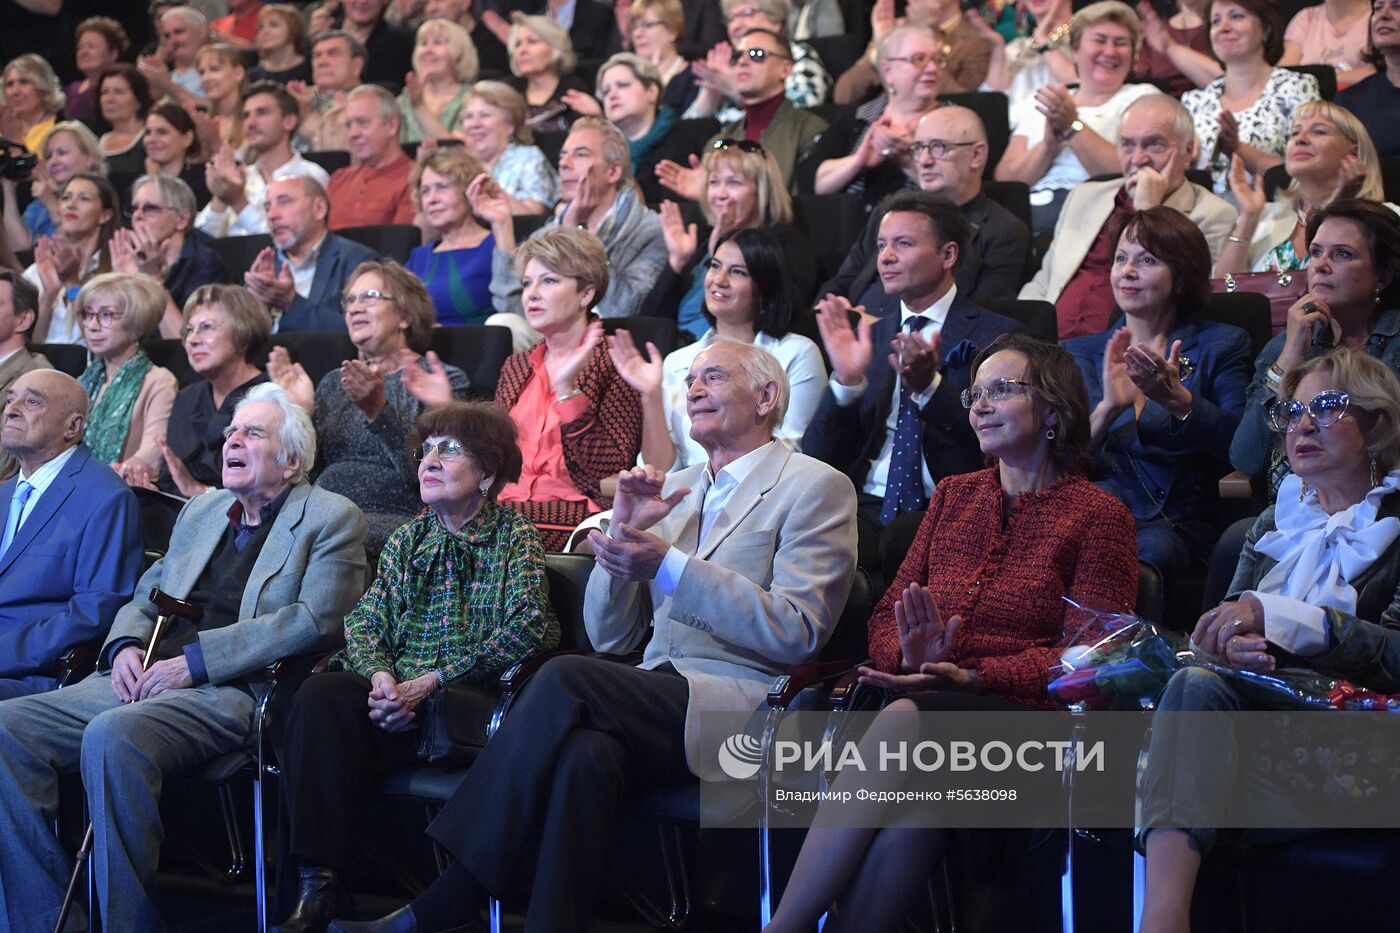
743 145
756 55
1325 409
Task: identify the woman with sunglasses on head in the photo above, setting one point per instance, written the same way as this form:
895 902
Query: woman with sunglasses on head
1165 387
1353 300
742 187
748 297
867 152
364 410
1315 587
460 595
976 619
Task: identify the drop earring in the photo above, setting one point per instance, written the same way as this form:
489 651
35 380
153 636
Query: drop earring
1049 434
1374 481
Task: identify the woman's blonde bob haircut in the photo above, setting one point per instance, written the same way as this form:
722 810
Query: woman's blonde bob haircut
459 44
1106 11
39 73
140 299
570 252
774 202
246 318
83 138
1373 389
1372 186
510 102
551 34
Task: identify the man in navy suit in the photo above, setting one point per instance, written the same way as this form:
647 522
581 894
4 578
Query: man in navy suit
71 546
301 280
896 429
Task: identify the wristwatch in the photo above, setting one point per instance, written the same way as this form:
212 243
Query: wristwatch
1075 127
1273 378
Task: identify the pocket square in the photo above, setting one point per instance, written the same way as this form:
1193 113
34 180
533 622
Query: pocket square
961 355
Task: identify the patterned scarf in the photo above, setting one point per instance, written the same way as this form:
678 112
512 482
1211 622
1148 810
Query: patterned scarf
109 421
443 568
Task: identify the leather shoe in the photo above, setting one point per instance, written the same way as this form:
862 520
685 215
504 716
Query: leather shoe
400 921
321 897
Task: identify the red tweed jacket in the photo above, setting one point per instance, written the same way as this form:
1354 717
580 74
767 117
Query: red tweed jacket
1006 578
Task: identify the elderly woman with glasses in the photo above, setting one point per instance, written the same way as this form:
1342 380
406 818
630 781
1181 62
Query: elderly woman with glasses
160 244
741 187
655 28
867 152
460 596
364 410
129 397
1315 587
976 619
224 328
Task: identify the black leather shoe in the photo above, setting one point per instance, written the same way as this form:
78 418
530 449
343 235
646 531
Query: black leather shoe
400 921
321 897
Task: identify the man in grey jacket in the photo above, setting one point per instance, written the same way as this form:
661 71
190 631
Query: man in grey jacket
274 563
748 561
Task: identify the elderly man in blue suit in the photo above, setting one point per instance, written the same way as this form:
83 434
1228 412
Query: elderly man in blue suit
301 280
71 546
896 429
274 563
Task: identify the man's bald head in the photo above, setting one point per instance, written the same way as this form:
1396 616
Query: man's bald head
951 152
45 413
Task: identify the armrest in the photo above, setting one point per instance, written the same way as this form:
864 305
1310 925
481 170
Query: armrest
850 694
1236 486
799 677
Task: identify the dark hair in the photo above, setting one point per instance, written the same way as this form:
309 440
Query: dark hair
24 297
773 295
1174 239
109 29
107 195
1381 228
1372 55
140 87
784 43
357 48
485 429
179 118
945 218
1269 16
285 101
1056 378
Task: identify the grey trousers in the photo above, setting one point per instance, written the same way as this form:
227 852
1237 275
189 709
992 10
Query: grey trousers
124 752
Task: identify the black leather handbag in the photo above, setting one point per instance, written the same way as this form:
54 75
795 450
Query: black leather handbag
454 723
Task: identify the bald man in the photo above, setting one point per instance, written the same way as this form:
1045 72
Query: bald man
71 546
950 149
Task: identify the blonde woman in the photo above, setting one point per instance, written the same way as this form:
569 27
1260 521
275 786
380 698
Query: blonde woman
456 266
31 101
542 61
444 65
494 130
222 77
68 149
1329 157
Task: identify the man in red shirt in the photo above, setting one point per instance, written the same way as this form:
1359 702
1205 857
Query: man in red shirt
374 188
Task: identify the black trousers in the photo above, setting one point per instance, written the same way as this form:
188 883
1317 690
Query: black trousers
583 733
332 758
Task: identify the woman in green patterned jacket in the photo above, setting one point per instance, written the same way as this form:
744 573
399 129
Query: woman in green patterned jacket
460 596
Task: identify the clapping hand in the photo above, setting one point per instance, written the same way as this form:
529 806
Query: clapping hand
564 367
915 360
1056 104
638 501
488 201
322 18
1229 139
849 349
884 141
136 473
683 181
681 240
274 287
292 378
582 102
224 177
1119 391
432 386
1249 195
1157 378
498 25
363 385
925 643
642 373
180 475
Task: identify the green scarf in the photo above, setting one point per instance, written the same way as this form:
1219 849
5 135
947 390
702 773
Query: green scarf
109 421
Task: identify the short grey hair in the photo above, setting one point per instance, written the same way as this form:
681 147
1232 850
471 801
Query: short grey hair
776 10
297 436
388 106
189 14
1182 124
890 40
759 368
171 192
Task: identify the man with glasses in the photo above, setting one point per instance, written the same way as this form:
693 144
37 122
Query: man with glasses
273 564
301 276
71 548
895 428
806 83
950 153
1156 145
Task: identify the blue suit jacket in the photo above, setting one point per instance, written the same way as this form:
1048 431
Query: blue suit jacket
321 309
850 438
72 565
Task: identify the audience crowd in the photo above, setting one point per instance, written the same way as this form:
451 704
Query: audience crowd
321 327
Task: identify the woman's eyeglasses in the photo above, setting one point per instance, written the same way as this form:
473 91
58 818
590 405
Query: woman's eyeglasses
104 316
743 145
365 297
447 451
1325 409
755 55
998 390
204 331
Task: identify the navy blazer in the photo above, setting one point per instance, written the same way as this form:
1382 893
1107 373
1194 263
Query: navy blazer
321 309
850 438
1157 466
72 565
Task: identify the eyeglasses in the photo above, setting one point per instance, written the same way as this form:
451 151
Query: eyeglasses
370 294
203 331
756 55
647 23
447 451
998 390
936 148
743 145
146 210
919 60
1326 409
105 316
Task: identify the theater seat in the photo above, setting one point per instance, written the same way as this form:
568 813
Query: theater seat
1038 316
1326 77
477 350
1249 311
658 330
838 53
170 354
70 358
1015 196
392 241
993 108
332 160
318 352
832 223
238 252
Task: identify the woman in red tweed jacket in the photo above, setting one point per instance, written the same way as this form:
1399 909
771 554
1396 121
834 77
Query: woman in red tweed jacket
975 617
578 420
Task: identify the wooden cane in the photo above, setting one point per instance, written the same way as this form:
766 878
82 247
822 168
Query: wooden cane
167 609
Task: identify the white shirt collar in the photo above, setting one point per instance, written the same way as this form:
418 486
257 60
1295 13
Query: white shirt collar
937 313
738 470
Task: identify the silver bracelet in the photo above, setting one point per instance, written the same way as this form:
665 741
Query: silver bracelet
1236 239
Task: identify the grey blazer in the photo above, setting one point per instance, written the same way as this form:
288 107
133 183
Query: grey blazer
1363 647
309 574
763 592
